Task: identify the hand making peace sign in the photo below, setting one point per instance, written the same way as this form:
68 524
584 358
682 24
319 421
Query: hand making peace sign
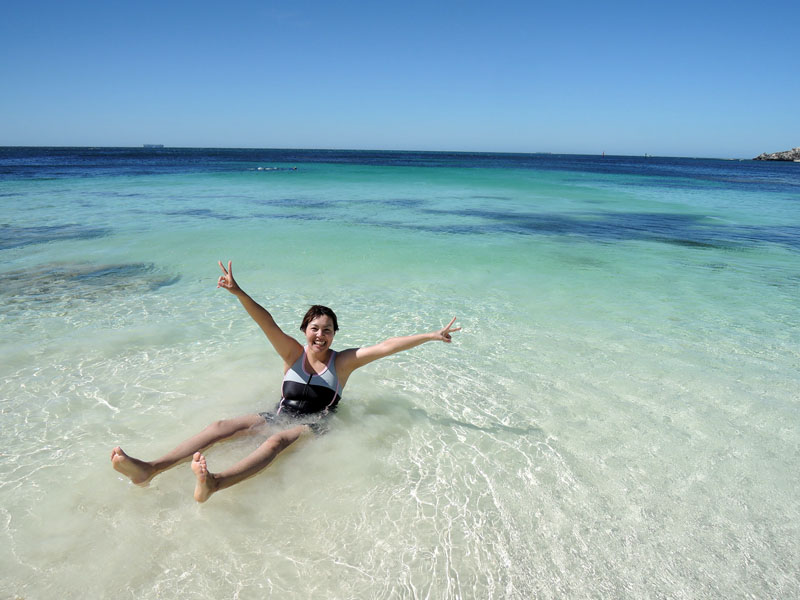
226 280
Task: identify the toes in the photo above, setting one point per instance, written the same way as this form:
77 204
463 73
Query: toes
199 465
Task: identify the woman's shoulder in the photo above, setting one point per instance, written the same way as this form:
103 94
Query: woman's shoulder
343 358
345 354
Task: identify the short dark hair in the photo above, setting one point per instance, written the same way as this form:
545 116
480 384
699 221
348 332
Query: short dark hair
318 311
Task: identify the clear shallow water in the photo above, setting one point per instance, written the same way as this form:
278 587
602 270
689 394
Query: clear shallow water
619 417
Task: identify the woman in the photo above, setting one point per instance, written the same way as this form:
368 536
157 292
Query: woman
314 376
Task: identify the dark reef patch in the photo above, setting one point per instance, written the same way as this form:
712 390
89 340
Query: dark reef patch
202 213
690 231
82 281
312 204
401 202
13 236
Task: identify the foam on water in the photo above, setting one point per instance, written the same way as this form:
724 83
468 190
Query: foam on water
618 417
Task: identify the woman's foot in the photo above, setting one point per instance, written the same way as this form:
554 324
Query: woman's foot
138 471
206 482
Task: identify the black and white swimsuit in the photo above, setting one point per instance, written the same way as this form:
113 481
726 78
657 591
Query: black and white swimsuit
304 393
307 398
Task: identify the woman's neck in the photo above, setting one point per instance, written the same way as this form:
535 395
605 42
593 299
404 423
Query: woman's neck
318 357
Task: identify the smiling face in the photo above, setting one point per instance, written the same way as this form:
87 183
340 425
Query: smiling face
319 333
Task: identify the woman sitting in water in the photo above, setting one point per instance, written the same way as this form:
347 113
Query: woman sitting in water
313 379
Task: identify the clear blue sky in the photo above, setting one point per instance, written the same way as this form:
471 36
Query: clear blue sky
666 78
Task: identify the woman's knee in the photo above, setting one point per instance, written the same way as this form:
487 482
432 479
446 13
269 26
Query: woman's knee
277 442
226 427
281 440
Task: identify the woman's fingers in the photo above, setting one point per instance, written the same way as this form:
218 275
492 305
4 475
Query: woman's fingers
450 328
229 270
446 331
226 279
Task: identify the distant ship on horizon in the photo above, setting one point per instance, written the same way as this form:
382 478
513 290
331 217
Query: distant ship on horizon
153 145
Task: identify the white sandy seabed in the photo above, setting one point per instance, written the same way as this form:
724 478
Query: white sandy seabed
603 426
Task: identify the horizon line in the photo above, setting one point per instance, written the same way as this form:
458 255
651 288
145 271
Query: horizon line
488 152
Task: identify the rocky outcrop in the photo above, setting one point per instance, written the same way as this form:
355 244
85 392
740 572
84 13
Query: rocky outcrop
788 155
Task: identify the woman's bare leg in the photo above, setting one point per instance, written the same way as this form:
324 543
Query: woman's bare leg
141 472
208 483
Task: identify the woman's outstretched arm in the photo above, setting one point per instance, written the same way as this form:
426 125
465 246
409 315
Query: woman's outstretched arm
286 346
350 360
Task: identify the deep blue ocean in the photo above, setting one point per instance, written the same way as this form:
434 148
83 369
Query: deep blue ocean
618 418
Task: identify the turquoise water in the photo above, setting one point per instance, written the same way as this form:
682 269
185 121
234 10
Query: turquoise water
618 417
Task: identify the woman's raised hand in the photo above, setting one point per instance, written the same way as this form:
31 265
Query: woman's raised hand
226 280
444 333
